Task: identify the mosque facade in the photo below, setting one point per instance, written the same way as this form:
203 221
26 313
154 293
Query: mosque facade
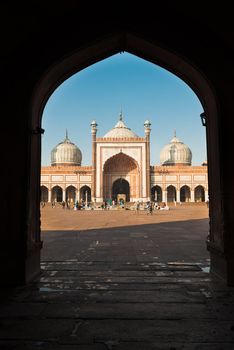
121 170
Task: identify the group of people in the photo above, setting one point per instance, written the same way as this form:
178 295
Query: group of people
151 206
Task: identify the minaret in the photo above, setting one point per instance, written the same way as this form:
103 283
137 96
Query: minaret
94 152
147 125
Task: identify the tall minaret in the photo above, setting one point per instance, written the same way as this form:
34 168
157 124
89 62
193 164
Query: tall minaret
94 152
147 125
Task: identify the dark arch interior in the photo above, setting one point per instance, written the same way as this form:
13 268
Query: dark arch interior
57 194
121 187
156 194
44 194
85 194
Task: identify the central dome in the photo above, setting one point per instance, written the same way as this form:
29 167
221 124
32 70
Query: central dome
176 153
120 130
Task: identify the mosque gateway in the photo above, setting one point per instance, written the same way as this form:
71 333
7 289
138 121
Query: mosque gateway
121 170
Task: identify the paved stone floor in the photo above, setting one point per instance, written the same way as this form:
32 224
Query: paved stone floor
116 280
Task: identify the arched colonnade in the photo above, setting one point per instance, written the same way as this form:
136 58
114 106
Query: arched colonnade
183 193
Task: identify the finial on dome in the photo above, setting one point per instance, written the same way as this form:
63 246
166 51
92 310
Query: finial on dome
66 137
174 132
121 114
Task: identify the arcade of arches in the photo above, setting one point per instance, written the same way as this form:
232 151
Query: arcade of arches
120 163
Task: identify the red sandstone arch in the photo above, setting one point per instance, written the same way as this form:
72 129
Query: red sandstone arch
120 162
121 166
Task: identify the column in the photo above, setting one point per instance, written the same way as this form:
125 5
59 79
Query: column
178 196
64 194
78 195
206 196
49 196
164 196
94 155
192 198
147 125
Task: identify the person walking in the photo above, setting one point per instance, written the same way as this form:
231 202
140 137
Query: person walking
137 207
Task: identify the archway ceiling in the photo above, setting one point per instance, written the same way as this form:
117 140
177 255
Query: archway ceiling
120 162
48 20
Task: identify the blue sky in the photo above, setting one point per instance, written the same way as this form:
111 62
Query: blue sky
142 89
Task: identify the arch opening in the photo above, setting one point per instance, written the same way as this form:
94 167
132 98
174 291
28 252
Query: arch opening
121 191
71 194
121 172
57 194
171 193
85 194
44 194
157 55
199 194
185 194
156 194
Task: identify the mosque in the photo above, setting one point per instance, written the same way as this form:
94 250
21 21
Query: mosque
121 170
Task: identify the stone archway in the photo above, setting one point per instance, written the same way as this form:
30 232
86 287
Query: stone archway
71 194
185 194
148 50
123 167
171 193
156 193
121 188
199 194
85 194
57 194
44 194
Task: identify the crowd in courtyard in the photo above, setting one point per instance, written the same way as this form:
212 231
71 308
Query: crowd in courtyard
149 206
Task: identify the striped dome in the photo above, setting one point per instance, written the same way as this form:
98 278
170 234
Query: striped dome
66 153
176 153
120 130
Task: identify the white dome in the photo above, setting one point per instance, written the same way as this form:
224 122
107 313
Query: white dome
66 153
120 130
176 153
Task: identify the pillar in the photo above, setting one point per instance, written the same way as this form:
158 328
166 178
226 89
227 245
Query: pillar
78 195
164 196
192 198
206 195
49 196
147 125
64 194
94 155
178 196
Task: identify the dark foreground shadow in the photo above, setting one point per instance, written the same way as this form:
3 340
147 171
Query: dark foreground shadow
183 241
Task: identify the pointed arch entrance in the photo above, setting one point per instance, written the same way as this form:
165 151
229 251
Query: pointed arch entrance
156 193
57 194
195 76
44 194
199 194
171 193
121 190
85 194
185 194
121 173
71 194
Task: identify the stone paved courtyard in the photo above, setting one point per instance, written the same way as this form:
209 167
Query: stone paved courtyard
121 281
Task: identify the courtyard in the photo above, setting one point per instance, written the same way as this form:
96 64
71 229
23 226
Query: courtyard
123 235
121 280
